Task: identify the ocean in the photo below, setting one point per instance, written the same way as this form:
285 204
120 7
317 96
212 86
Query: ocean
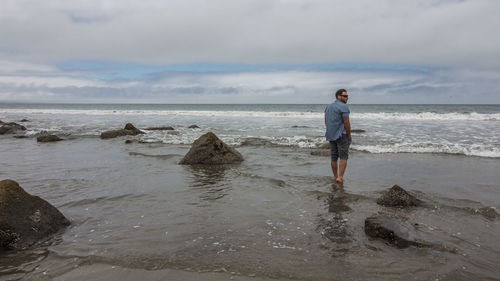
471 130
277 215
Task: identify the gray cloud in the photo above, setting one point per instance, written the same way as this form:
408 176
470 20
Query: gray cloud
427 32
457 41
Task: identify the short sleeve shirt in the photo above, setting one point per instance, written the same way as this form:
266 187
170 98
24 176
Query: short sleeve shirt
334 113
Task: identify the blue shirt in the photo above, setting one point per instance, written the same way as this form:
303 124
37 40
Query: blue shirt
334 123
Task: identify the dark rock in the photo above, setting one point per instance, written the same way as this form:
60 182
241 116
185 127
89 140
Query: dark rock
129 130
488 212
358 131
25 120
209 149
131 127
397 197
48 138
397 232
8 128
25 219
193 127
256 142
297 126
167 128
129 141
20 137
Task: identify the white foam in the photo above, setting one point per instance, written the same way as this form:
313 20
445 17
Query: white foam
427 116
266 114
422 147
201 113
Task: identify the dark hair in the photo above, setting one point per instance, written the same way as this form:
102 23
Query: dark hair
339 92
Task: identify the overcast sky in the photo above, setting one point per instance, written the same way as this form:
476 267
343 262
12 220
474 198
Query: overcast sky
250 51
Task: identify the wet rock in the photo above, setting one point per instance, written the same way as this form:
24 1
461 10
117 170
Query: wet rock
358 131
25 120
397 197
20 137
129 141
166 128
256 142
209 149
8 128
129 130
48 138
193 127
488 212
397 232
297 126
25 219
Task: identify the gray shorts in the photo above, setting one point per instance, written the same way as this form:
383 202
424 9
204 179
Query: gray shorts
339 148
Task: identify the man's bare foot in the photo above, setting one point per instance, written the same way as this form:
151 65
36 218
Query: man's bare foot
339 179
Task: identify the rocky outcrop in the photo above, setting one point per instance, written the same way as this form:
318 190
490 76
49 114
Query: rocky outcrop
129 130
48 138
358 131
397 197
25 219
166 128
397 232
209 149
8 128
193 127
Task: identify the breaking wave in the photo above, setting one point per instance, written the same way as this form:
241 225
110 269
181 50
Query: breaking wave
265 114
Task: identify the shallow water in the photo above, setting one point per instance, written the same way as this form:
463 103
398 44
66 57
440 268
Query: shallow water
277 214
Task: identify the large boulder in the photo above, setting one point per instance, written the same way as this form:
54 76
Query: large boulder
48 138
8 128
398 232
209 149
25 219
397 197
129 130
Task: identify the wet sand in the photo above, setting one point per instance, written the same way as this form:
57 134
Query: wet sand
104 272
276 215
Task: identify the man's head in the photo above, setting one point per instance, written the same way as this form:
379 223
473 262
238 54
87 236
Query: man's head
341 95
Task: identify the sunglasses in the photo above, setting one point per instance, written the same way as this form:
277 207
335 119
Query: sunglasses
345 96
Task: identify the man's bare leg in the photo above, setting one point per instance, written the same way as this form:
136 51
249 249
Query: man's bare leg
343 165
334 169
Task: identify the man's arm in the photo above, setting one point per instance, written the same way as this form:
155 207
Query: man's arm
347 126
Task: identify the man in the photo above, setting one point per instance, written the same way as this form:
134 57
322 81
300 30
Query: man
338 133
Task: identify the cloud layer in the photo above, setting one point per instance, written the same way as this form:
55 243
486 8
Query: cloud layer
447 49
